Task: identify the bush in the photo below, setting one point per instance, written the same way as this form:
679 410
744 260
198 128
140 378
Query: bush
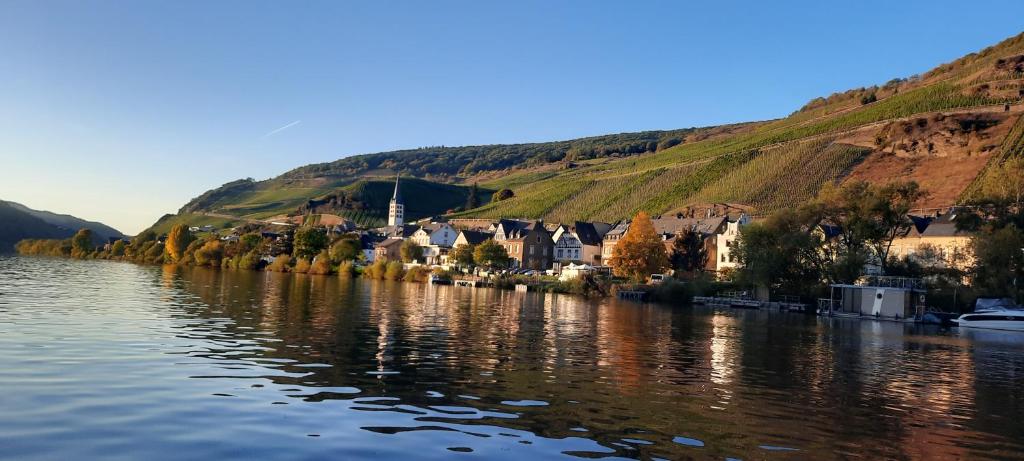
301 265
280 264
347 269
376 270
248 261
321 265
672 291
417 274
394 271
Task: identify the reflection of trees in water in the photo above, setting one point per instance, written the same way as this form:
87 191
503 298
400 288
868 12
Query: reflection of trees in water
733 379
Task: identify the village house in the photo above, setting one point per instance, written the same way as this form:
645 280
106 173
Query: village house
528 246
579 243
724 257
935 242
611 238
472 237
708 228
505 227
388 250
437 234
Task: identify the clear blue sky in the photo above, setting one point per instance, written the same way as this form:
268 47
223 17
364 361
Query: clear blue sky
122 111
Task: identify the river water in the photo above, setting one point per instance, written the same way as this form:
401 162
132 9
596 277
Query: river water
106 360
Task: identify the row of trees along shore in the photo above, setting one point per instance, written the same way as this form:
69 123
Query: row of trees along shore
797 251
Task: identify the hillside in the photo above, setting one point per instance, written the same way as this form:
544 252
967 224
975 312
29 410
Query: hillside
943 128
364 201
19 222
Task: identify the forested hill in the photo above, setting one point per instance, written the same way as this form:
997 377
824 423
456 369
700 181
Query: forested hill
944 129
448 162
19 222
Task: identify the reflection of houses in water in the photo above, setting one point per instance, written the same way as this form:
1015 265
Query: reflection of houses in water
724 352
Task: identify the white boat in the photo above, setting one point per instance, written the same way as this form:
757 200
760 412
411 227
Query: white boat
998 315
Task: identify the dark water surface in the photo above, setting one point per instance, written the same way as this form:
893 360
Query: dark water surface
102 360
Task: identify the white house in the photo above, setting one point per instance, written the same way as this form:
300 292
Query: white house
567 245
439 234
725 240
435 255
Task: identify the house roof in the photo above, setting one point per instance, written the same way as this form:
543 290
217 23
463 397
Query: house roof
434 226
587 233
618 229
674 225
942 226
391 242
476 237
520 232
509 225
403 231
920 223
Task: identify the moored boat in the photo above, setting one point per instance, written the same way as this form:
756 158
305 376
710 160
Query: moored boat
997 315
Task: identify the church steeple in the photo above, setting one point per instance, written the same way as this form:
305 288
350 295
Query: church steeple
396 209
398 193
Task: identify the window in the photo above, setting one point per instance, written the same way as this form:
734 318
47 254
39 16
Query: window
531 249
723 257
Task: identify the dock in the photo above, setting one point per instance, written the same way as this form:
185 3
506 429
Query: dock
789 305
638 296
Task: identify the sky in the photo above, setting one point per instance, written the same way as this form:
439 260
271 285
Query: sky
122 111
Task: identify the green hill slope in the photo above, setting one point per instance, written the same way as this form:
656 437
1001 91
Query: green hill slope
942 128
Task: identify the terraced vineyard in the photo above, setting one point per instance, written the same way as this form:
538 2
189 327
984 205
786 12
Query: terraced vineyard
765 165
1012 146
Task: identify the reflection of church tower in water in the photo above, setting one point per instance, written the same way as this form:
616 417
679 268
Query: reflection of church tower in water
396 210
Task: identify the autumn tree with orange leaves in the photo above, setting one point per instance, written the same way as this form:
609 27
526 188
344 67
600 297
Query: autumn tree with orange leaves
640 252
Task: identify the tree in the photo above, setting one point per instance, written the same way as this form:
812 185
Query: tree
117 249
689 255
81 243
778 253
410 251
472 200
999 261
890 208
308 242
178 240
210 254
640 252
490 254
462 255
504 194
249 242
346 249
867 218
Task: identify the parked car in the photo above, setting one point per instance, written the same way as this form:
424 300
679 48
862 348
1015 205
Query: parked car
658 278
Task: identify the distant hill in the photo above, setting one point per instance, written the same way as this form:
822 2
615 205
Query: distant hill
19 222
943 129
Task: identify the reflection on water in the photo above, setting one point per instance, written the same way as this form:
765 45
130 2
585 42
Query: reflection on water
102 360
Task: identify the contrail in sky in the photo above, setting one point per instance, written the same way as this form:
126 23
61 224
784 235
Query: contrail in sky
273 132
